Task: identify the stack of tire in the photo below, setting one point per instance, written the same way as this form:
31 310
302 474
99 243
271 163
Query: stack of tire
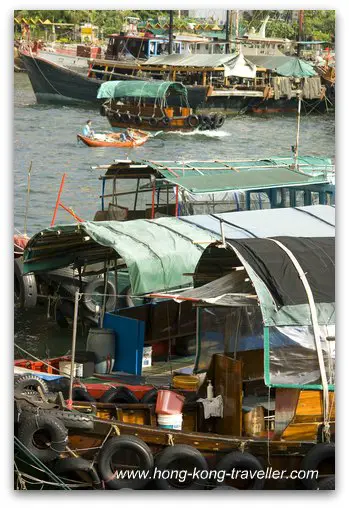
211 122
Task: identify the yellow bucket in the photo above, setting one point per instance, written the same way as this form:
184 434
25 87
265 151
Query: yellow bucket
186 382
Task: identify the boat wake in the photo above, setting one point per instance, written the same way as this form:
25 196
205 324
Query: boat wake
208 134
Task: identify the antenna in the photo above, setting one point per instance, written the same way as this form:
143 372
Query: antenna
296 148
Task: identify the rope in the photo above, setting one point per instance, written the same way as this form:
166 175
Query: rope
43 75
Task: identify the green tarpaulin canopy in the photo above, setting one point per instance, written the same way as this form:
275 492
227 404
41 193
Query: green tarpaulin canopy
145 89
296 68
157 253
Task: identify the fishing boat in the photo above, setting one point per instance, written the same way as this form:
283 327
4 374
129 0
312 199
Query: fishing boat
271 372
133 138
153 106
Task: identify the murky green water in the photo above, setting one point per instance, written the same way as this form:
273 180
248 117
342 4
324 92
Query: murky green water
46 135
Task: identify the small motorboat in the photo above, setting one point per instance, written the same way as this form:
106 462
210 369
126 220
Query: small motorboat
133 138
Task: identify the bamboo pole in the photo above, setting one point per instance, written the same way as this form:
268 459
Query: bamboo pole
27 203
75 326
58 200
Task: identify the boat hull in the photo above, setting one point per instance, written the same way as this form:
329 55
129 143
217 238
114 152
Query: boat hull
117 144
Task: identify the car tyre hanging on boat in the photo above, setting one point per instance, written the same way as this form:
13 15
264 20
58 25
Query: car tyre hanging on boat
219 121
91 289
80 394
242 461
44 435
64 467
29 382
125 446
165 120
138 120
186 455
311 462
119 394
152 121
102 110
193 121
150 397
25 286
327 483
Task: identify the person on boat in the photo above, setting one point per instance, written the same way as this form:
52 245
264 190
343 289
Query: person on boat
127 135
87 131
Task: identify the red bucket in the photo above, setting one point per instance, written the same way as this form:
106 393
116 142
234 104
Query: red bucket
169 403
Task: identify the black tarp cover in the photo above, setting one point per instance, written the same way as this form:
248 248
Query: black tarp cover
273 266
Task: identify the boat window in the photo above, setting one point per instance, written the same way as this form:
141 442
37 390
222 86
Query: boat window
293 358
299 198
259 200
315 198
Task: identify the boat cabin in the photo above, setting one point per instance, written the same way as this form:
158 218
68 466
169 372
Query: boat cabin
198 187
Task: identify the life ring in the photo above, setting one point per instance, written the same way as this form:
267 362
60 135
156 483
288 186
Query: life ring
138 120
26 292
119 394
118 447
219 122
44 435
152 121
188 456
29 382
64 467
150 397
327 483
82 395
311 462
242 461
91 289
193 121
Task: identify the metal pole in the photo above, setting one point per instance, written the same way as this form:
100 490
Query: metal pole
227 31
27 203
105 287
170 34
58 200
75 326
296 151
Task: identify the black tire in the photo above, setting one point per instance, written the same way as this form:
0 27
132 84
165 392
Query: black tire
242 461
150 397
80 394
71 419
102 111
152 121
116 117
179 457
130 449
125 117
29 382
26 292
119 394
193 121
138 120
311 462
205 120
219 122
53 439
328 483
63 467
165 120
91 288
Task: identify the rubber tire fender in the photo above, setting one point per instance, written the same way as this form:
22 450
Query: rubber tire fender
73 464
30 382
80 394
219 122
152 121
313 459
150 397
31 423
91 288
102 111
121 444
27 291
174 453
165 120
242 461
327 483
193 121
138 120
71 419
119 394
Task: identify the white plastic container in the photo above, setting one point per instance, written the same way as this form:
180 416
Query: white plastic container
170 421
65 369
147 353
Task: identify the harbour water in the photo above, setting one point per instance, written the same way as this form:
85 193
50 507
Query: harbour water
46 136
